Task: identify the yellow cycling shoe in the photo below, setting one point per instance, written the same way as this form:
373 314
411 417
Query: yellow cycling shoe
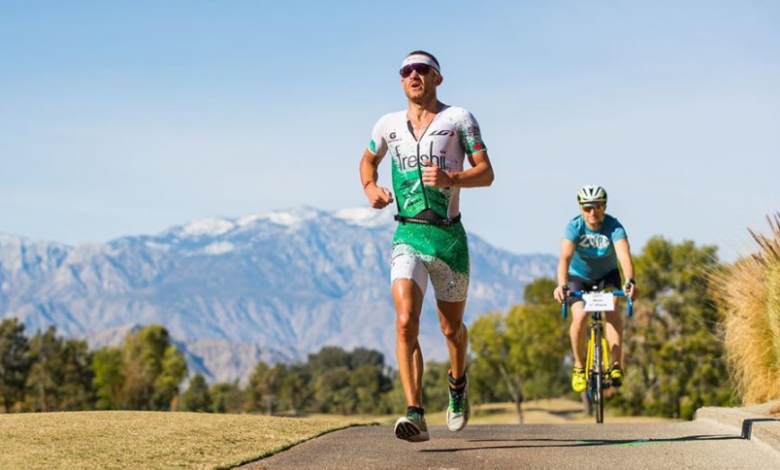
616 374
578 380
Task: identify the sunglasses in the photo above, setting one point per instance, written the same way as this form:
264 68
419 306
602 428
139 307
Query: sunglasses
590 207
421 69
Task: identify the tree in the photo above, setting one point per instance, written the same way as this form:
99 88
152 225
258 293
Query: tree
369 385
14 362
673 345
293 391
108 380
362 356
45 355
197 396
328 358
525 348
152 369
174 370
227 398
331 381
435 385
332 393
263 385
75 389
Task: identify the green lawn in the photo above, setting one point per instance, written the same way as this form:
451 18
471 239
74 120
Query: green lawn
148 440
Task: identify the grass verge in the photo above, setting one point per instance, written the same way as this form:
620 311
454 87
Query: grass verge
148 440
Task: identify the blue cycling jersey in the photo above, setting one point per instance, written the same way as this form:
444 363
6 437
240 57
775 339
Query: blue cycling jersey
594 253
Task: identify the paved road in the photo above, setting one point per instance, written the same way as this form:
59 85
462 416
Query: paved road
689 445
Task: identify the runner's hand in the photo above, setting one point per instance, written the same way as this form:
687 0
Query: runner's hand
560 293
435 177
378 197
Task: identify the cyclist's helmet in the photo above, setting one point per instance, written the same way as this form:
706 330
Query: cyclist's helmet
591 194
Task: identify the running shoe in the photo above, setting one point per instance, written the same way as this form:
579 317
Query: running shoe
412 427
458 411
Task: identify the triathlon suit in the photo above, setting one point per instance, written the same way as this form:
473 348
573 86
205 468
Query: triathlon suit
430 239
595 262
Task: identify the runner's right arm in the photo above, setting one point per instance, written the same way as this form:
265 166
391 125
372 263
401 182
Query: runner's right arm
567 253
378 197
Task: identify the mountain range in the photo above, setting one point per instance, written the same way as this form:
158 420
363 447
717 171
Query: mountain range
231 292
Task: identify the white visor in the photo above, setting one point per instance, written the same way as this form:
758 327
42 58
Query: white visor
421 59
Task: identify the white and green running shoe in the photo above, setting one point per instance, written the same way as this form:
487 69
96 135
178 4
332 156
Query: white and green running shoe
412 427
458 411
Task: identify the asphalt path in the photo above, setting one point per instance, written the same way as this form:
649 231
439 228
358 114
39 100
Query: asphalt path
667 445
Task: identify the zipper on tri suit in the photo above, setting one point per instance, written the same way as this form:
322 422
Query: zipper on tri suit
419 163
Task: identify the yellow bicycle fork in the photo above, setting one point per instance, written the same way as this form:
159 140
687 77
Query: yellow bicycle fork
592 347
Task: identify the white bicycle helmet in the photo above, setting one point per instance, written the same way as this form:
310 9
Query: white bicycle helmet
591 194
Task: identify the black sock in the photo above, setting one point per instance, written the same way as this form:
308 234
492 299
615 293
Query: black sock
415 409
457 384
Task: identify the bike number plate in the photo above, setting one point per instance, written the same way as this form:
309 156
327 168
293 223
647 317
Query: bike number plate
599 302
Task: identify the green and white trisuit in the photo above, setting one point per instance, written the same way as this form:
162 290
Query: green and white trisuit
439 249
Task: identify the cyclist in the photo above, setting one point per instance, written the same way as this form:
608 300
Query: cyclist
592 245
428 143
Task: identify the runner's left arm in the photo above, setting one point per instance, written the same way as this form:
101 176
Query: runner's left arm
481 171
480 174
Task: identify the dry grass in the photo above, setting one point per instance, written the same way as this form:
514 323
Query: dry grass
748 297
133 439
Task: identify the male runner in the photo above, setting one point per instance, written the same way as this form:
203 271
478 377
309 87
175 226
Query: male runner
427 143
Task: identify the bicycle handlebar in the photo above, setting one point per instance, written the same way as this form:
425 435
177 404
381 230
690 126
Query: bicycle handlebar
617 293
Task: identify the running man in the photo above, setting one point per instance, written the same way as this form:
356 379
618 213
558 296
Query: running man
428 143
592 245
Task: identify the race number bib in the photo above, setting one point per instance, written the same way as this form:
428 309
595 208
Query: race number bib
599 302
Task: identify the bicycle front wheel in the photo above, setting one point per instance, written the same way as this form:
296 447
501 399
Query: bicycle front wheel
598 376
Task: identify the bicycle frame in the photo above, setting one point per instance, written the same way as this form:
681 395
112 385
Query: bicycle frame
597 358
596 355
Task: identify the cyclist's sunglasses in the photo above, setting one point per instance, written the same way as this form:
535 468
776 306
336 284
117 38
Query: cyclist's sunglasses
421 69
590 207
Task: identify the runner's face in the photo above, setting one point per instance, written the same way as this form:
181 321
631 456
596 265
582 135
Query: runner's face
420 88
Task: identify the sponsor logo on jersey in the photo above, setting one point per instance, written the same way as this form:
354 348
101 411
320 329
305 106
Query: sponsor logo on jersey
594 241
411 162
443 132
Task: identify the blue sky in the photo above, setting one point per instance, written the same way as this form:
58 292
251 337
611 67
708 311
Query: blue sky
123 118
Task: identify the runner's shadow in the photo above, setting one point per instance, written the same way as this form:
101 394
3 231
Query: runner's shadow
564 443
564 413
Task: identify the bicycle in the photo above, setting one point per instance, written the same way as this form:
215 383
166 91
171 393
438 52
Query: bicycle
597 359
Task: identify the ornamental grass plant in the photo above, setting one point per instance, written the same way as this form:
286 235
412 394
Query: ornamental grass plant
747 294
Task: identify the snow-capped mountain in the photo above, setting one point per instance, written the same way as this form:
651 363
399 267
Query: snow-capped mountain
270 287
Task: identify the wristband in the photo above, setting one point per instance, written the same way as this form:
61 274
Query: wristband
631 281
366 185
